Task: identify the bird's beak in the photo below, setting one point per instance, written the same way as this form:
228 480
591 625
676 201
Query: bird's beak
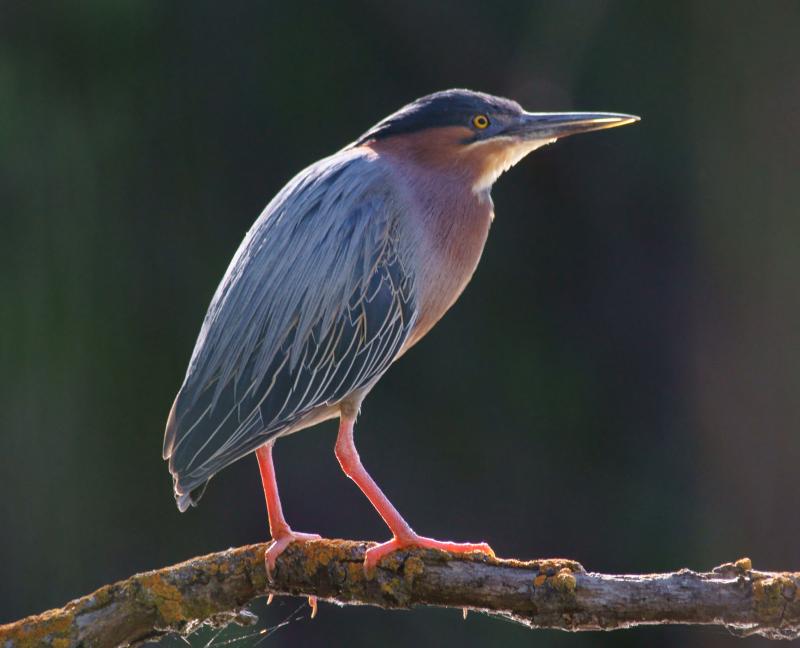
552 126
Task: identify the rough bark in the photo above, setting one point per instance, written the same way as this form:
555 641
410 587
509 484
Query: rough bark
553 593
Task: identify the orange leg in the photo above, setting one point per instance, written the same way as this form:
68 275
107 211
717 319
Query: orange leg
403 534
282 534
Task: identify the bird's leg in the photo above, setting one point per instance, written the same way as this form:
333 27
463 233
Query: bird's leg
403 534
281 532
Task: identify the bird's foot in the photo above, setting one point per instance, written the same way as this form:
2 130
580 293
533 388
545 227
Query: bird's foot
376 553
279 544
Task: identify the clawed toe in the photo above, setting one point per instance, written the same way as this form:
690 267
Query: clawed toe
279 545
375 554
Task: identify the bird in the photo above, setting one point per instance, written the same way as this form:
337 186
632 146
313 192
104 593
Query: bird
351 263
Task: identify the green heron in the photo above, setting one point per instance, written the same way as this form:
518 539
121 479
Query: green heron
348 266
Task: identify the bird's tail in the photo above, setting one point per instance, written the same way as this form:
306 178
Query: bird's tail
191 497
185 500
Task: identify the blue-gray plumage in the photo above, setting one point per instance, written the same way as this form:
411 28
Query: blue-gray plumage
315 305
347 267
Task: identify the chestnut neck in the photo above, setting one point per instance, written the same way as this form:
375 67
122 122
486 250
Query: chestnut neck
450 220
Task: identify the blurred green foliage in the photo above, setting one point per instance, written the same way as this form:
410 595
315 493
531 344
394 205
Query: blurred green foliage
618 385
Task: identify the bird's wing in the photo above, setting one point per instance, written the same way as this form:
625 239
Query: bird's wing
315 305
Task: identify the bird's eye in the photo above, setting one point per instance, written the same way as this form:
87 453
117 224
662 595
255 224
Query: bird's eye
480 121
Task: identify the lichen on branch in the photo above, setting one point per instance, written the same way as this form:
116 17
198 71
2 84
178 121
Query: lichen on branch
553 593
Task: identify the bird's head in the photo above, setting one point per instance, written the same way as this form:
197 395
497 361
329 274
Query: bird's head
476 135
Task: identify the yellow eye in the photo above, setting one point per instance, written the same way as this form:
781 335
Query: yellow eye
480 121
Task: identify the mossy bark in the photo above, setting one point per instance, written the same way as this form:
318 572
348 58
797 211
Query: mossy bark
553 593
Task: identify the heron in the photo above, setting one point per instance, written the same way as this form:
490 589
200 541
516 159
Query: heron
346 269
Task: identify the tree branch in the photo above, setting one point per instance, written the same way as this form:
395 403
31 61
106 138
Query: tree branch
554 593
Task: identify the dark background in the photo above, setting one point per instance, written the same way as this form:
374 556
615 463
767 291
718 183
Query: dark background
619 383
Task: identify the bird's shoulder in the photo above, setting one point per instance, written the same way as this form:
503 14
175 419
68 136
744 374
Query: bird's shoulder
332 185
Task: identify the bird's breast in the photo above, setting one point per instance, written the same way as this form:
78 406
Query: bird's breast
454 229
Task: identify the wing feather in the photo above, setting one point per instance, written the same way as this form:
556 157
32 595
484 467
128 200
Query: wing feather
315 305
